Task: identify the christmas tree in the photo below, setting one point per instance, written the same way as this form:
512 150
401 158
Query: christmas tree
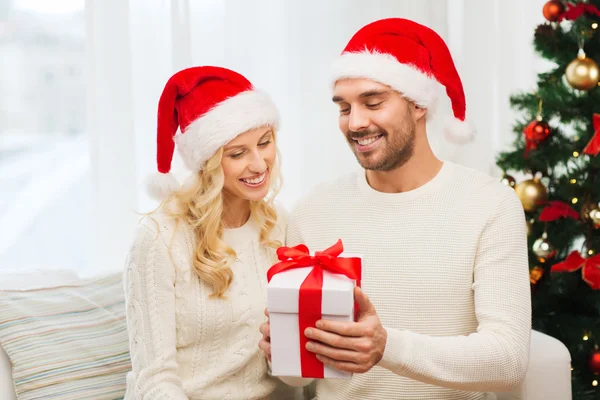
557 151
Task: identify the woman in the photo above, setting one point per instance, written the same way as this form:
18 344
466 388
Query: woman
196 274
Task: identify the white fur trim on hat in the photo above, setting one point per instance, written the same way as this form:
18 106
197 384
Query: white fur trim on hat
231 117
457 131
411 82
161 186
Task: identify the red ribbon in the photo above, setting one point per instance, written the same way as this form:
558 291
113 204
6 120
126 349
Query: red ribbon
557 209
590 268
310 298
576 11
593 147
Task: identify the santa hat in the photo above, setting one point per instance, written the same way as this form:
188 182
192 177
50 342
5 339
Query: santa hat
210 106
412 59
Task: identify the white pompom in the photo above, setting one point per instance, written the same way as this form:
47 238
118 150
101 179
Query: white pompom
161 186
459 132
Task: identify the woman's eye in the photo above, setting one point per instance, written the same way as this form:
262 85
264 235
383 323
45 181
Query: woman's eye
236 155
263 144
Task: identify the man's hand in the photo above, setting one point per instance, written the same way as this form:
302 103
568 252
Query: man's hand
349 346
265 342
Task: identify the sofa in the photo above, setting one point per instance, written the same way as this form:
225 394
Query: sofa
84 355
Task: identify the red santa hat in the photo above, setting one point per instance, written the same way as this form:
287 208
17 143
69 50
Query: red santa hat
210 106
412 59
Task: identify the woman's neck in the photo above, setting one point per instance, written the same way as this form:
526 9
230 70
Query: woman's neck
236 211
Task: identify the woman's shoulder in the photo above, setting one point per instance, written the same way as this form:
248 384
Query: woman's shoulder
162 226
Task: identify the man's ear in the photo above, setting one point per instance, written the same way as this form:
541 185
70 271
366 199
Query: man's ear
418 111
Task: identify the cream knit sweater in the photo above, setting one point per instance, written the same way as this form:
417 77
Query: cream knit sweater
446 268
183 344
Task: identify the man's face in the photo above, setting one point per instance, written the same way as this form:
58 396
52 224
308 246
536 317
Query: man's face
378 123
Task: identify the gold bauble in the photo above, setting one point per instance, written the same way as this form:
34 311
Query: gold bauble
532 194
543 248
590 211
583 73
595 218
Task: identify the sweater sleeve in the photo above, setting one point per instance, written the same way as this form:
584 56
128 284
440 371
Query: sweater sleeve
495 357
150 298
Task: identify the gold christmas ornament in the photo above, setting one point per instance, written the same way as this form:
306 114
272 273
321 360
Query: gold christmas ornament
544 249
532 194
508 180
590 211
595 217
583 73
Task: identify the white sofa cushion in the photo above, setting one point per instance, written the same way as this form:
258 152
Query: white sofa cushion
68 341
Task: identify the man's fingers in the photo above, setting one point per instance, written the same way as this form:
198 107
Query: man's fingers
354 329
342 365
333 339
334 353
364 304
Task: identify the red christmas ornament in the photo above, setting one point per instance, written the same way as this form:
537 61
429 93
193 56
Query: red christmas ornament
593 147
595 362
535 132
557 209
553 10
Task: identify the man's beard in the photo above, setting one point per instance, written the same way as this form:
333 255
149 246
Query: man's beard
398 150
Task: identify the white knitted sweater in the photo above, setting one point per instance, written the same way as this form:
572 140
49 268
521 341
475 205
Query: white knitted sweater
183 344
446 268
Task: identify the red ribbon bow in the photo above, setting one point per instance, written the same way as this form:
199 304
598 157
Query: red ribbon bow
575 11
557 209
593 147
590 268
310 298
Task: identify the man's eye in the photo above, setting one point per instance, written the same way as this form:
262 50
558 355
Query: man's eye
374 105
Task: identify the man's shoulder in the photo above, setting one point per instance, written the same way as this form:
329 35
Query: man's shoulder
481 188
480 182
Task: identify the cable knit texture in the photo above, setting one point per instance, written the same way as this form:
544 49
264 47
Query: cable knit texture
185 345
446 268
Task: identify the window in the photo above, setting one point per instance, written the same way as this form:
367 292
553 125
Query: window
44 157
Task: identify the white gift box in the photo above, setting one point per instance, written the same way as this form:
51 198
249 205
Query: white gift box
282 302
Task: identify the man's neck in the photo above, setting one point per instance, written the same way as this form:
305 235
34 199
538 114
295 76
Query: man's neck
416 172
236 211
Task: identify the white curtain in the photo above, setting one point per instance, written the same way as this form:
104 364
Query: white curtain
285 48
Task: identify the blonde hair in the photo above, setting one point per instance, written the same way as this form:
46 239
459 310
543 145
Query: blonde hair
200 205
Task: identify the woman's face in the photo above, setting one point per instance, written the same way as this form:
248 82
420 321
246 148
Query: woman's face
247 164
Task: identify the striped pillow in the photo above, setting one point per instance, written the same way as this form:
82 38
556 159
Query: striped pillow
67 342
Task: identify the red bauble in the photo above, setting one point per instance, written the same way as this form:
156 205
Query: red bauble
536 131
595 362
553 9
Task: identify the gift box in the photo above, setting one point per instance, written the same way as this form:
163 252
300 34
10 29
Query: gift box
302 289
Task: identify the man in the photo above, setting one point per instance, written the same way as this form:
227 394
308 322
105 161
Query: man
448 313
